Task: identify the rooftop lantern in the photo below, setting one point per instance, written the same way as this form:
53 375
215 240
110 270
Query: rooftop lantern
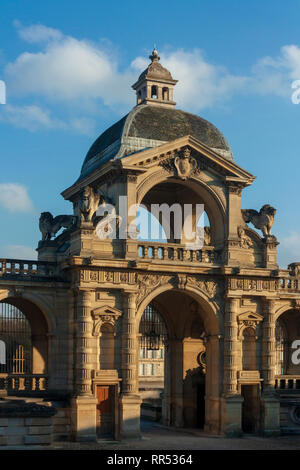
155 85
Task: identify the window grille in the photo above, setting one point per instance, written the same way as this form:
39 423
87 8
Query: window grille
15 333
152 329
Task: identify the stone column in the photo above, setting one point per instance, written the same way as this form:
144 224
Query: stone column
268 345
232 401
212 384
130 400
230 347
84 403
270 404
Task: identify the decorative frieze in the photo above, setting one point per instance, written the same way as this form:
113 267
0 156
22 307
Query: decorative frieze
247 284
109 277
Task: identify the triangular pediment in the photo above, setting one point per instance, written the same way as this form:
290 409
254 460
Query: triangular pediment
207 159
106 310
249 317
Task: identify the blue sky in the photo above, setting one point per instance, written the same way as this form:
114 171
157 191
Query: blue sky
69 66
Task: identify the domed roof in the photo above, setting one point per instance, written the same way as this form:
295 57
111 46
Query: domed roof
149 126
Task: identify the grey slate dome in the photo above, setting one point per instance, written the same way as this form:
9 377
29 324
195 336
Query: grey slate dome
149 126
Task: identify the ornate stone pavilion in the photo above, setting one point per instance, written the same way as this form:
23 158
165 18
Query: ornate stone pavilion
72 324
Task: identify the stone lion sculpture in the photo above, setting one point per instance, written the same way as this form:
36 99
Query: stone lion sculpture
262 220
50 225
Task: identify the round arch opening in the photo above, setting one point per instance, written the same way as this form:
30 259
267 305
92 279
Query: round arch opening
177 381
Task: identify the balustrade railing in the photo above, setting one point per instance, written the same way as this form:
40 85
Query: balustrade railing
23 383
289 284
287 382
26 268
175 252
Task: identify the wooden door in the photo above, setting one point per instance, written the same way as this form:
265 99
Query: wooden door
105 411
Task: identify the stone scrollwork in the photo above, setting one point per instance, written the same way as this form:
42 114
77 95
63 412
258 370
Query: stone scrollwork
149 282
208 286
262 220
102 315
245 241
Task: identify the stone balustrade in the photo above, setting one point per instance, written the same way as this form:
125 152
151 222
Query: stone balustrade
287 382
176 252
26 268
289 284
23 383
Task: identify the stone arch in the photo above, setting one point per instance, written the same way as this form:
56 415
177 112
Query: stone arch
39 324
284 308
187 349
40 303
213 204
288 317
212 323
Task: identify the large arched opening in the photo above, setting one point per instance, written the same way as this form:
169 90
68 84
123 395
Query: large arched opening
161 190
287 363
24 335
179 332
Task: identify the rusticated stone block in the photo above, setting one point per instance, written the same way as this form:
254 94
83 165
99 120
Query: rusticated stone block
3 441
15 440
13 430
38 421
43 439
39 430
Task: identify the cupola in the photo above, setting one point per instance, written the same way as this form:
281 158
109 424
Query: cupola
155 85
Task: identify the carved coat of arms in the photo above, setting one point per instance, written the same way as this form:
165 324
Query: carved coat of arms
185 165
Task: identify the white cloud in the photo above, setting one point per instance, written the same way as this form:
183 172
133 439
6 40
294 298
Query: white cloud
34 118
83 125
275 75
82 73
30 117
200 84
14 197
18 252
37 33
289 249
69 70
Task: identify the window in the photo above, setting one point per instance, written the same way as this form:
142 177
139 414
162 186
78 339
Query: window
165 93
280 349
154 91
